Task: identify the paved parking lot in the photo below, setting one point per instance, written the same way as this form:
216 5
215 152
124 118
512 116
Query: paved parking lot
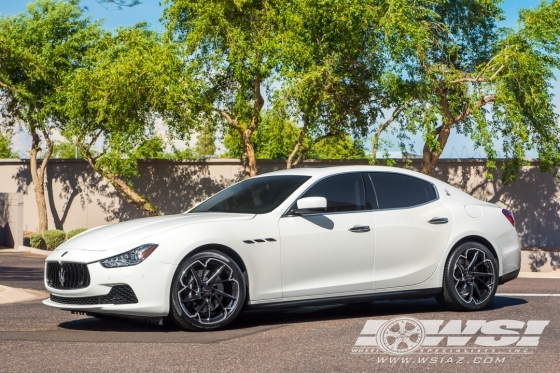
312 339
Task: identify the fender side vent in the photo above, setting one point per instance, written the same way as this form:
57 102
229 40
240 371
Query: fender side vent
270 239
248 241
259 240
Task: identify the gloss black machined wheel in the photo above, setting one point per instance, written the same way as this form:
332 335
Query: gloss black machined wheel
208 291
470 278
474 276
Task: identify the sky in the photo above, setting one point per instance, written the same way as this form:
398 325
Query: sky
459 146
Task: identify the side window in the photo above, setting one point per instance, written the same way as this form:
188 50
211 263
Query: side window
343 192
397 191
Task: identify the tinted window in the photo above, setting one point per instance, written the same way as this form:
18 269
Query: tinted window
253 196
397 191
343 192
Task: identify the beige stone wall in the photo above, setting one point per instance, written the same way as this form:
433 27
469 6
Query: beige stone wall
11 219
77 197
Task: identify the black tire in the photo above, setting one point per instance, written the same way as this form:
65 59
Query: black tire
208 291
470 278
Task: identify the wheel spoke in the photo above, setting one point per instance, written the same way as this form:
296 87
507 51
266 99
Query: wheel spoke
482 274
477 291
473 260
219 292
196 279
189 299
210 280
220 303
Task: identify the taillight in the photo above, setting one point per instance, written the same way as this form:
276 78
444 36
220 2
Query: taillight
509 215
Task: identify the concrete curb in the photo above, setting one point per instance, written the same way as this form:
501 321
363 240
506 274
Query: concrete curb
539 275
10 295
27 250
32 250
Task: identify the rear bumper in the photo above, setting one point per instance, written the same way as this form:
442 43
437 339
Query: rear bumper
509 276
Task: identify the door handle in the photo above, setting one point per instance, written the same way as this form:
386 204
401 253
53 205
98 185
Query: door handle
438 221
359 228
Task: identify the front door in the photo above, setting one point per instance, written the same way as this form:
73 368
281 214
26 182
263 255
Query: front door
330 252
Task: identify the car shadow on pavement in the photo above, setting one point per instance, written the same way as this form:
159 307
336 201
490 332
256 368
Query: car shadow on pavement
276 317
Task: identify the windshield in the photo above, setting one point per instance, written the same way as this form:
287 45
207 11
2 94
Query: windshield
259 195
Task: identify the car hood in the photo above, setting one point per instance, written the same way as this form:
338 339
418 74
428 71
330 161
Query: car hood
118 235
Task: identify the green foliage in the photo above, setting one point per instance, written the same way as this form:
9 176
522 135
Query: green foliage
65 150
75 232
232 48
129 80
54 238
465 73
332 68
36 241
343 147
276 138
38 50
6 150
205 143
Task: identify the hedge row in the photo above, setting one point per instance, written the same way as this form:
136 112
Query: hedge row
51 239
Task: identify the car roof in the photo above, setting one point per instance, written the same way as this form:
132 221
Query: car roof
325 171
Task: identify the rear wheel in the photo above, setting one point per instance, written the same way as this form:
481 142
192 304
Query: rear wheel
208 292
470 278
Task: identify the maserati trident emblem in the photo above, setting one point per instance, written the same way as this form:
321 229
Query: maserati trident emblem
61 274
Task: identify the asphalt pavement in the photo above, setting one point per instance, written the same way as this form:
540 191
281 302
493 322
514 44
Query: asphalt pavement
36 338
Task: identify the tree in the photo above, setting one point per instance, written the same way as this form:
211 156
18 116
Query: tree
205 143
488 83
276 137
120 3
332 67
65 150
232 47
6 150
344 147
38 51
128 81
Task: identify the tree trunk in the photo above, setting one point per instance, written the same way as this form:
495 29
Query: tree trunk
124 190
291 162
38 176
429 156
248 157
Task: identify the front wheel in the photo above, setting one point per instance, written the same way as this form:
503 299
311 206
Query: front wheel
208 291
470 278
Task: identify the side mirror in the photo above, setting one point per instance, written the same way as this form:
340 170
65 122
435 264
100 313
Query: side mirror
311 205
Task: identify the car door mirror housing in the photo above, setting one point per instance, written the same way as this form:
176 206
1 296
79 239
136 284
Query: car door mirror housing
311 205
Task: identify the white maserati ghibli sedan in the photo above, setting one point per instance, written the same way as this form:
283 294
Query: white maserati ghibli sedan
292 238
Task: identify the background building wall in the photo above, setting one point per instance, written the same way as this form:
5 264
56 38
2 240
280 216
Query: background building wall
77 197
11 219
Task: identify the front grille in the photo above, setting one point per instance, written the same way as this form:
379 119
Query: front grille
120 294
67 276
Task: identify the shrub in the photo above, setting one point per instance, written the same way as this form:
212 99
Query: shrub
53 238
37 241
75 232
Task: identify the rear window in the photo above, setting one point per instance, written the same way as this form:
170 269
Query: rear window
400 191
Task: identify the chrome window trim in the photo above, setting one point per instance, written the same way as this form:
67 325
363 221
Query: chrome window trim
285 213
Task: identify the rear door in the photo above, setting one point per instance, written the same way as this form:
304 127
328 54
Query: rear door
412 229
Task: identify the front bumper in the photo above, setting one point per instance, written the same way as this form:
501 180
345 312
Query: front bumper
150 282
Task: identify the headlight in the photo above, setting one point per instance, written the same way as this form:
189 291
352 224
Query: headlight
130 258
